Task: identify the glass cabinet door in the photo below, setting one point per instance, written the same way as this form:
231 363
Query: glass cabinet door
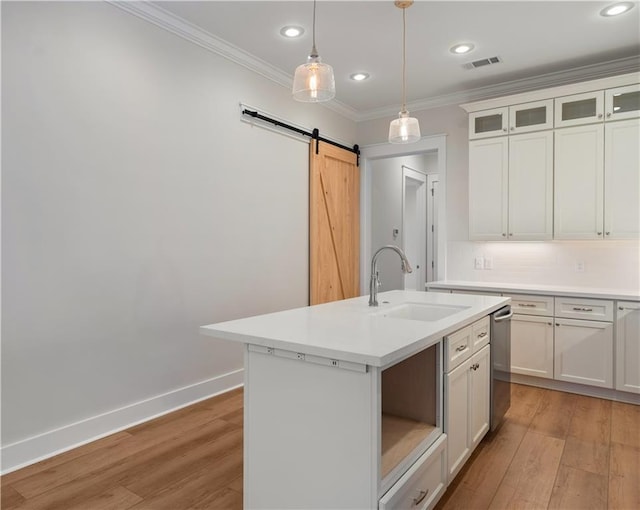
622 103
579 109
527 117
487 123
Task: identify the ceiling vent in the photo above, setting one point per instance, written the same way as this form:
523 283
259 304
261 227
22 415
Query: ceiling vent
482 62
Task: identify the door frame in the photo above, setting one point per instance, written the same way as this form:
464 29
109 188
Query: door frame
372 152
432 233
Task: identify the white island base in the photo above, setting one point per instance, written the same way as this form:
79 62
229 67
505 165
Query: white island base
344 403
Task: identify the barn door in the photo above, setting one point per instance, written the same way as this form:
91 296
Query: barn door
334 224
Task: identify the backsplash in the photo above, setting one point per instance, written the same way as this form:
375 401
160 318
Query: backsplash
603 264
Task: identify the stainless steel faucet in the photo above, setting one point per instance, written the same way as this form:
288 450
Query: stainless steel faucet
374 282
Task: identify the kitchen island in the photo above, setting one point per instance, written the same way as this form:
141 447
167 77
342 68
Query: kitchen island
344 402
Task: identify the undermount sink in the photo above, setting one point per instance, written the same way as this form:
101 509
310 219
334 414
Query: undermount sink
422 312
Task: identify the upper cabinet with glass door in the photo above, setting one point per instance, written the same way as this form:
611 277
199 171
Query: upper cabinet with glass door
622 103
527 117
579 109
611 104
488 123
520 118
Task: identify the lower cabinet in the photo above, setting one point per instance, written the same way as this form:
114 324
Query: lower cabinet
532 345
467 394
584 352
423 484
628 347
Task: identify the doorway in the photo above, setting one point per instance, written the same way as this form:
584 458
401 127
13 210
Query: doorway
370 205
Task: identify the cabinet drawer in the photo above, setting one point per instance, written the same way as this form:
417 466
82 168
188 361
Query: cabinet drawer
590 309
458 347
480 333
423 483
531 305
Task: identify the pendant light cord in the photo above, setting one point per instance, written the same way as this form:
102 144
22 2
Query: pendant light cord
314 51
404 58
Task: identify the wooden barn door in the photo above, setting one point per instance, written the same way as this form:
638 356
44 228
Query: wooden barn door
334 224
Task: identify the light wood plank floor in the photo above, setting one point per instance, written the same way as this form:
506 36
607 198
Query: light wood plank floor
554 450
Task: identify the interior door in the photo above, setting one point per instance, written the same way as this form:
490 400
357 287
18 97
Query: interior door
334 224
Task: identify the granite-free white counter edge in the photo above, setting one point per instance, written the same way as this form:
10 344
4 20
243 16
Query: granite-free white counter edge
547 290
352 331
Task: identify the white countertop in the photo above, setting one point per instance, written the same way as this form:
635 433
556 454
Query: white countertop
352 331
549 290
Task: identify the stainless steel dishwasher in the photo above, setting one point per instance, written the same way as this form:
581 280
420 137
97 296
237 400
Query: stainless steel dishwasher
501 364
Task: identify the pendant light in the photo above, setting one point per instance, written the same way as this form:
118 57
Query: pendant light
314 81
404 129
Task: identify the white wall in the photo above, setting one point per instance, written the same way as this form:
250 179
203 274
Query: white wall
607 264
136 206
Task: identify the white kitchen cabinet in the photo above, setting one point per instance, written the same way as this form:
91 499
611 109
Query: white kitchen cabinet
532 345
467 415
622 179
628 347
511 188
480 404
534 116
622 103
531 186
488 189
584 352
488 123
578 109
579 182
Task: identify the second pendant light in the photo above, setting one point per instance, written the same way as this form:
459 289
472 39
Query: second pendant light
404 129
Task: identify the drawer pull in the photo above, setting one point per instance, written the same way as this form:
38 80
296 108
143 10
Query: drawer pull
421 496
582 309
527 305
482 335
461 348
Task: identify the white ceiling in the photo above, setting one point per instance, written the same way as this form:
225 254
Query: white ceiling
559 41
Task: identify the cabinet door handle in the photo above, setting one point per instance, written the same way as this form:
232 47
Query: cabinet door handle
607 233
582 309
461 348
599 115
482 335
504 235
599 233
421 496
621 308
608 114
558 324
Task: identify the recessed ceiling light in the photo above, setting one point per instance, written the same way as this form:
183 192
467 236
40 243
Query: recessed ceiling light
291 31
359 76
615 9
462 48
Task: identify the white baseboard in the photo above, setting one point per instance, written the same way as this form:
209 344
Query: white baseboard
34 449
580 389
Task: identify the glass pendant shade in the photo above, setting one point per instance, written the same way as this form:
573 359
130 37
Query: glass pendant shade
313 81
404 129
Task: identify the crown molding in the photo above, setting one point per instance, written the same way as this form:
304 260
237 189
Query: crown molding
575 75
182 28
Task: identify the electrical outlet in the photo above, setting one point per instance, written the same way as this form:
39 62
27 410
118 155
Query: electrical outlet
488 263
479 262
579 267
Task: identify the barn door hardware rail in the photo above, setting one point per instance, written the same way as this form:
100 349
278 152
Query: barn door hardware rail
315 134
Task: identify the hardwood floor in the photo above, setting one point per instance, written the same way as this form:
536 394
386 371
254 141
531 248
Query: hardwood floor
554 450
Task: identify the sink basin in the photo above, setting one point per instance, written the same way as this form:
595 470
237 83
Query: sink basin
422 312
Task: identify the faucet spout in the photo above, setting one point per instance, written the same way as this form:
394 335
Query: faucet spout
374 282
